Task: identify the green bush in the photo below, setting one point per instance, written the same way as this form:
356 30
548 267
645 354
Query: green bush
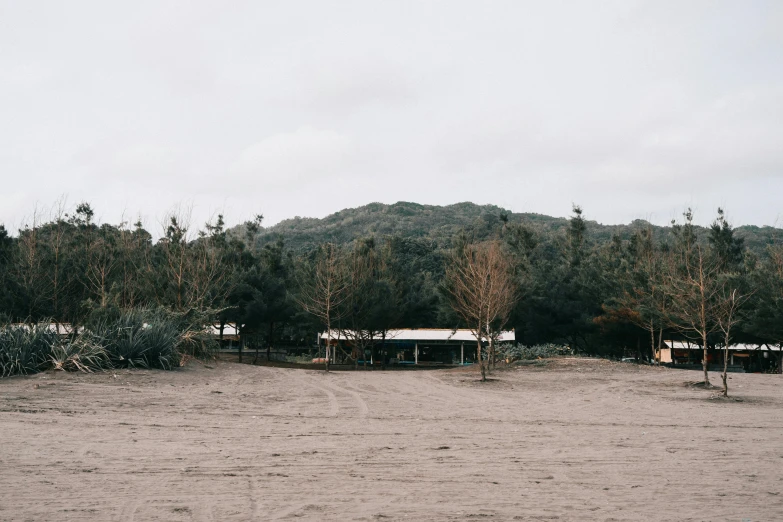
519 352
141 338
26 349
134 340
83 354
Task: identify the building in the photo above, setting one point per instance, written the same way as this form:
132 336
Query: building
742 357
421 346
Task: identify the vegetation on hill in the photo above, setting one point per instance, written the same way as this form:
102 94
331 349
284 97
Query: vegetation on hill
440 224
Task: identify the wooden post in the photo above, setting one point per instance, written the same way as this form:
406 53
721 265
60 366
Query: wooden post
416 354
462 354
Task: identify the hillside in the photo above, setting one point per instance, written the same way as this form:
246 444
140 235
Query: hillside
439 224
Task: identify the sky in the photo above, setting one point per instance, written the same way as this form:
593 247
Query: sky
631 109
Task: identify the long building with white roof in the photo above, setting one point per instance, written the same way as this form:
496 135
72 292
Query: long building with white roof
426 346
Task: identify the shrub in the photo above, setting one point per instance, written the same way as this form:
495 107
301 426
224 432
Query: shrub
516 352
130 341
25 349
140 338
153 338
82 354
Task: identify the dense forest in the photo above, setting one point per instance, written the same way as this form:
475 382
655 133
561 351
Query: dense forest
601 290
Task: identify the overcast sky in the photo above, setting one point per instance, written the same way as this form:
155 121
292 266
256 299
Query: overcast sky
630 109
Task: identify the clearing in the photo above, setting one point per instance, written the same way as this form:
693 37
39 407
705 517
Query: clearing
569 439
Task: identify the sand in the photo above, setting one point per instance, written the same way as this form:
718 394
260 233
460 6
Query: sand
568 440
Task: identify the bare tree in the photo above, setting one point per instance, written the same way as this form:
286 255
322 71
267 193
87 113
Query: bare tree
694 290
193 270
58 248
33 280
323 289
101 263
729 303
482 290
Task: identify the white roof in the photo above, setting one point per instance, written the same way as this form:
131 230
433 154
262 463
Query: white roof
58 328
425 334
228 329
683 345
65 328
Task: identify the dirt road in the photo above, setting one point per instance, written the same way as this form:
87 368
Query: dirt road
574 440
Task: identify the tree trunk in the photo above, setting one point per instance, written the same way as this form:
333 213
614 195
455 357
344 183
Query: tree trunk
488 364
652 342
704 362
240 343
269 341
383 350
328 345
479 361
725 369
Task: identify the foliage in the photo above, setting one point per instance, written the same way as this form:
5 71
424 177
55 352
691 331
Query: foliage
137 338
83 354
601 290
439 225
519 352
25 349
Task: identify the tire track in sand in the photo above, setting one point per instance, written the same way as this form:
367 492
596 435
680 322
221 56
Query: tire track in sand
287 511
334 405
360 403
128 513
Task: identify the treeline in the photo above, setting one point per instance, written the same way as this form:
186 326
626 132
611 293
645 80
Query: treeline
616 296
441 224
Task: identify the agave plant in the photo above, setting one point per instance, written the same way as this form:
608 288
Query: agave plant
133 341
26 349
160 339
83 354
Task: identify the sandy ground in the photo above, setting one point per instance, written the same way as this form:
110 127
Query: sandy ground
573 440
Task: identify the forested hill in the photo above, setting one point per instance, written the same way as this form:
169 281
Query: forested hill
439 224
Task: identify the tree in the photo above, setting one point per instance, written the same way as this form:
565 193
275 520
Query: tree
374 302
482 291
275 279
693 289
727 314
727 248
7 302
358 323
322 289
134 247
30 272
765 321
576 235
643 287
191 274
